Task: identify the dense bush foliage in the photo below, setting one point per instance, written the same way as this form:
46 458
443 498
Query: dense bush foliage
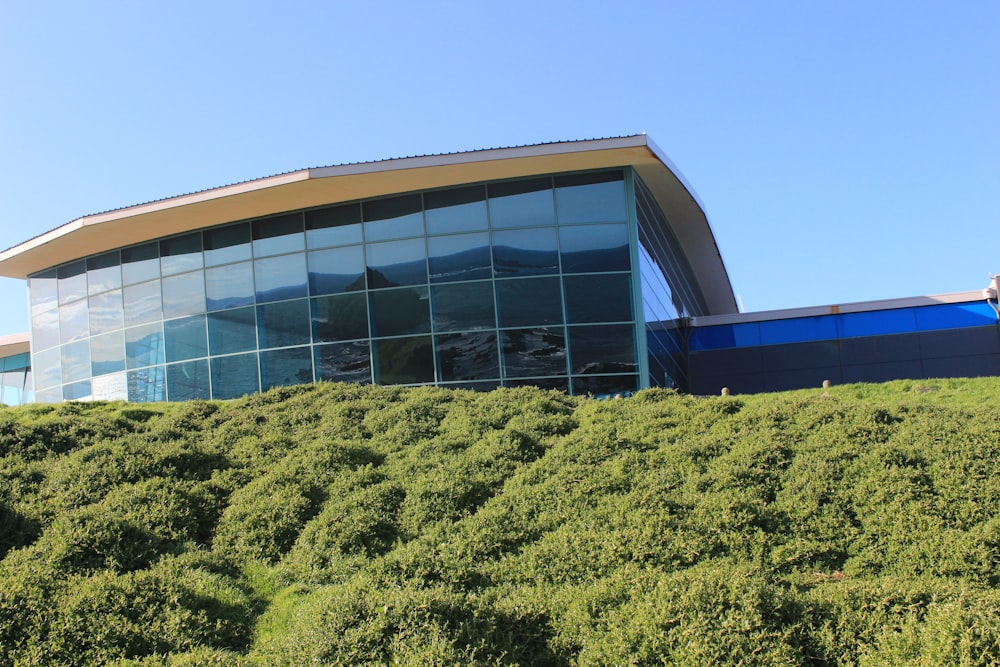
338 524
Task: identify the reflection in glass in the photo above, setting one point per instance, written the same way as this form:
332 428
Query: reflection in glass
530 352
342 317
525 252
602 349
53 395
344 362
107 353
104 272
140 263
72 281
78 391
146 385
279 278
455 210
74 321
603 385
526 203
185 338
106 313
337 270
227 244
397 263
184 294
110 387
283 324
596 197
393 218
399 312
144 346
460 257
234 376
75 359
529 302
43 290
594 248
463 306
336 225
188 380
278 235
469 356
281 368
229 286
404 360
142 303
45 368
232 331
45 329
598 298
180 254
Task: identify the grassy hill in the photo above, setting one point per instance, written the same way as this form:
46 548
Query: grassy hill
338 524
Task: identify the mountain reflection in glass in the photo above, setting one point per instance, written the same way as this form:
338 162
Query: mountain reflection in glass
594 248
280 368
602 349
393 217
404 360
399 312
337 270
463 306
334 225
459 257
279 278
283 324
455 210
468 356
397 263
537 351
595 197
525 252
529 302
229 286
524 203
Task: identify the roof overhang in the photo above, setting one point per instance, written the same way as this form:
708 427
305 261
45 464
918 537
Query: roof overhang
14 344
307 188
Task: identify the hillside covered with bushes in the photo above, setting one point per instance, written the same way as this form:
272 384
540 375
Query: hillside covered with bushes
343 525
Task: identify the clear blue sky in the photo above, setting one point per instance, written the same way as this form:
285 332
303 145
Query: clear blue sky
844 151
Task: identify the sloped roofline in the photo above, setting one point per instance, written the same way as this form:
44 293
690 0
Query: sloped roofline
94 234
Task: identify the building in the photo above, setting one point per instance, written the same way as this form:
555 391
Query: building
588 267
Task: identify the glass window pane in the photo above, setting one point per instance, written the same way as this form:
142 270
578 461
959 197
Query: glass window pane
142 303
525 252
227 244
45 368
279 278
74 321
188 380
106 313
232 331
525 203
877 323
110 387
44 329
229 286
529 302
234 376
72 281
397 263
75 359
455 210
404 360
180 254
591 197
337 270
604 349
343 317
463 306
146 385
184 294
44 291
104 272
531 352
605 385
469 356
593 248
275 236
599 298
336 225
281 368
393 218
185 338
283 324
799 330
78 391
107 353
144 346
461 257
344 362
399 312
141 263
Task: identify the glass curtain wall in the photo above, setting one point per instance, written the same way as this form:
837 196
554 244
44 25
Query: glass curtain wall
15 379
498 284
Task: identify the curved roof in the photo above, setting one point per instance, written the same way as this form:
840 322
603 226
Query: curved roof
320 186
